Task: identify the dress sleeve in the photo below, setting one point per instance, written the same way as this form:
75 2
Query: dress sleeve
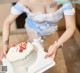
68 9
17 9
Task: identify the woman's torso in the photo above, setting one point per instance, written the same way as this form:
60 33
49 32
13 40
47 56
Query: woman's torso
42 17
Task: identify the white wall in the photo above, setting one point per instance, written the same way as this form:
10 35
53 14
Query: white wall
8 1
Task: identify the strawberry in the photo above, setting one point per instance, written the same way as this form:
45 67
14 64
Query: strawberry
20 50
13 45
22 46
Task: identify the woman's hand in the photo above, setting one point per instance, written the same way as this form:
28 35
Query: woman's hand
52 51
4 52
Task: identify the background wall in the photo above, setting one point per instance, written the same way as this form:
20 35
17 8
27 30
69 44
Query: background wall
4 12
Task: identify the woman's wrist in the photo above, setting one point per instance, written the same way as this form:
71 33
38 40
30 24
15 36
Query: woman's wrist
6 42
58 44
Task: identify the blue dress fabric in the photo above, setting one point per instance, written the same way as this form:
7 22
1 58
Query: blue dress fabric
43 24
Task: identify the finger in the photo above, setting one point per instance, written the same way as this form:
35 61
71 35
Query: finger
53 56
46 55
50 53
0 56
4 54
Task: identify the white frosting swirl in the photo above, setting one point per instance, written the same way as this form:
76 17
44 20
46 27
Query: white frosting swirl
14 54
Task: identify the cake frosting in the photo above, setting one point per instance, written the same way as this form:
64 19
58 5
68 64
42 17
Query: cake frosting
19 52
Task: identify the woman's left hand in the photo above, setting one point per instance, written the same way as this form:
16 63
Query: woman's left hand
52 51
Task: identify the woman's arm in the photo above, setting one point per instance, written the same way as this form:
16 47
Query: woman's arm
15 12
6 30
70 29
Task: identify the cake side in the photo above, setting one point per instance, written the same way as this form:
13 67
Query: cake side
19 52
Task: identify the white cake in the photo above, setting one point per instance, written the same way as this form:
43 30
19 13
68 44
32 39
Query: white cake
19 52
21 57
27 58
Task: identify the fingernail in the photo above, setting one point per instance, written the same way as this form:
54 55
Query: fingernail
46 56
4 55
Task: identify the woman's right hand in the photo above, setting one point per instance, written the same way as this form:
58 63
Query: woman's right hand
3 52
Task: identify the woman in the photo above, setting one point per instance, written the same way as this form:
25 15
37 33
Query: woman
42 16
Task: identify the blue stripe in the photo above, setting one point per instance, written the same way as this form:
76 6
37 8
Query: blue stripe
18 7
67 7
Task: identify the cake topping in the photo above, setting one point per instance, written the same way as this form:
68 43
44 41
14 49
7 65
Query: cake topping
20 51
22 46
13 45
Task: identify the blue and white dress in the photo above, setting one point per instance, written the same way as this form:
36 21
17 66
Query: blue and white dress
43 24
